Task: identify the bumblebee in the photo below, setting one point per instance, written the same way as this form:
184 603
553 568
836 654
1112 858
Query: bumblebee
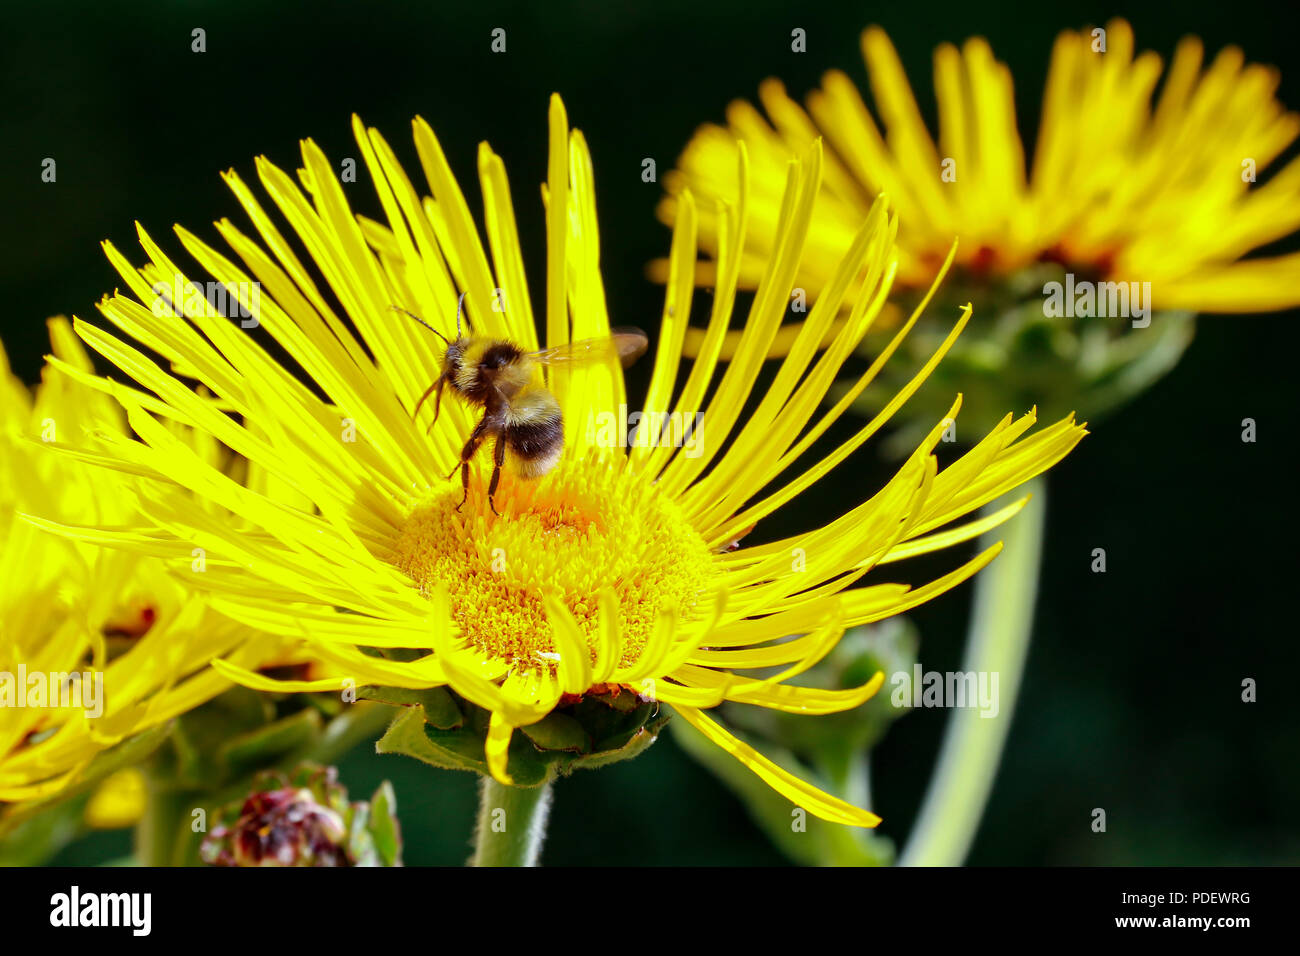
518 411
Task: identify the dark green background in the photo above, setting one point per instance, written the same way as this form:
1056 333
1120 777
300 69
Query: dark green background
1131 700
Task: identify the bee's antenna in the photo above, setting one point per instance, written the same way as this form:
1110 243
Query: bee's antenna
459 305
398 308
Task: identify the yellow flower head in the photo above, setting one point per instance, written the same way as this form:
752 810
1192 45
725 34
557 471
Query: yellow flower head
96 646
617 568
1121 188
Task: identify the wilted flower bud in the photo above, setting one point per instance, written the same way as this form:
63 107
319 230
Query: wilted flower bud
306 821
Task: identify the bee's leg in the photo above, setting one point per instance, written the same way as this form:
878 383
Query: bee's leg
471 445
437 406
436 391
498 458
464 480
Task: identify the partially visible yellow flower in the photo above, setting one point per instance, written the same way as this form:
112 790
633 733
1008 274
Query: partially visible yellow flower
619 567
72 608
119 800
1120 189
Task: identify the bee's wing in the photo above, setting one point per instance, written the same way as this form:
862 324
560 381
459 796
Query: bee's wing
622 345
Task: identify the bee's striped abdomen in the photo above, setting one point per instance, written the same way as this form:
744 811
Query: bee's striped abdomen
534 432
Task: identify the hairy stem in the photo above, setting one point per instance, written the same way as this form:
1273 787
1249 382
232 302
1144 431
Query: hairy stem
511 824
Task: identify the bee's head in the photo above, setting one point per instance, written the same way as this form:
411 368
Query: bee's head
453 358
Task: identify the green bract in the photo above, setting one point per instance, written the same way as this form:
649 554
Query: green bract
441 728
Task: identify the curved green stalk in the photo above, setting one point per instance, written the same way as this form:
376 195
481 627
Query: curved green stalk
362 721
1001 623
511 824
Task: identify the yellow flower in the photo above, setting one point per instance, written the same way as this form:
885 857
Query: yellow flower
615 568
1120 189
140 643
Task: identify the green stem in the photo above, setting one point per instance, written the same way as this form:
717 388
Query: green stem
1001 624
511 824
848 770
158 831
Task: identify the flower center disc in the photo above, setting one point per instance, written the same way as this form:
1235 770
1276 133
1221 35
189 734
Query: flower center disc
585 526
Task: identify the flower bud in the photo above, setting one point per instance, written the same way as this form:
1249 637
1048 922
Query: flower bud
305 821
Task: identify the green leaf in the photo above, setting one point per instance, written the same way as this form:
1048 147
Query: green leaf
635 745
262 746
383 825
558 731
361 842
34 840
530 767
440 709
408 734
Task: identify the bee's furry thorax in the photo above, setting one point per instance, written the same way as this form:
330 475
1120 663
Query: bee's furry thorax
480 369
